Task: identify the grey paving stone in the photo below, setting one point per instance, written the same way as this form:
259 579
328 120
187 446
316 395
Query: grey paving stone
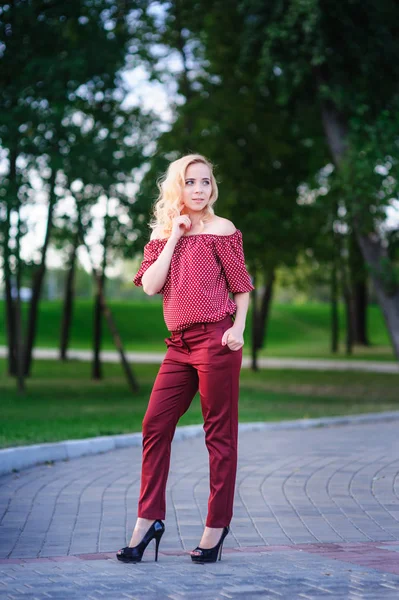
328 485
286 575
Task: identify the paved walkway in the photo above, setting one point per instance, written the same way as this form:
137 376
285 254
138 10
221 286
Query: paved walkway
316 516
265 363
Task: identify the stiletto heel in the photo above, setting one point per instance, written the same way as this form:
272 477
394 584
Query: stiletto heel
157 542
135 554
207 555
220 551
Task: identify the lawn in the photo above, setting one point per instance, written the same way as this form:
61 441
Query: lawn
63 403
294 330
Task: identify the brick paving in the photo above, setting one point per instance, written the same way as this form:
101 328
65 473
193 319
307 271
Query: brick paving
316 516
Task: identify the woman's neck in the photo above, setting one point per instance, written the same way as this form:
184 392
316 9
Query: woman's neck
195 218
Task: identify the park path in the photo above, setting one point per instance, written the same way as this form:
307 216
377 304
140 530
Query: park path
316 516
264 363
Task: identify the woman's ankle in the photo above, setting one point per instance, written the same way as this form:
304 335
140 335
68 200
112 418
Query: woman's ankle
141 522
140 529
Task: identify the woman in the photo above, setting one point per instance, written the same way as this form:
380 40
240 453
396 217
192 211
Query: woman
194 258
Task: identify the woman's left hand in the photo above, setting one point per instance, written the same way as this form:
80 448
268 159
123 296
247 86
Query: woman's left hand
234 338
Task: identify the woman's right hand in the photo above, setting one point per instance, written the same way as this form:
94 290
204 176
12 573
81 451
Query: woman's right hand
155 276
180 225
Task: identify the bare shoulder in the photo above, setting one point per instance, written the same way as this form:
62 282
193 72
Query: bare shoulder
157 234
223 226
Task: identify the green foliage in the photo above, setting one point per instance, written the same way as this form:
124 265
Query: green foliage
261 150
61 109
345 56
346 52
368 177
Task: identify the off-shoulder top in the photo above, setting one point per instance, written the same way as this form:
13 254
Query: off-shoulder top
204 268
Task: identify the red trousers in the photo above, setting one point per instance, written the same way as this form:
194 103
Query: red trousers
195 360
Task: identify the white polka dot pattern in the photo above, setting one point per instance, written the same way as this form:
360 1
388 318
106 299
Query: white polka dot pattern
204 268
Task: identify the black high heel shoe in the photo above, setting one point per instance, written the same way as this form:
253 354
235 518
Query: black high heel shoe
208 555
135 554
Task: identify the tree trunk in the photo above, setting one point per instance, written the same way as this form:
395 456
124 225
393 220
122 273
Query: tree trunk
360 299
18 315
358 277
99 280
10 321
118 343
96 372
11 318
387 295
370 244
265 309
37 282
19 346
348 317
260 316
335 130
334 307
98 300
348 302
68 302
114 332
254 324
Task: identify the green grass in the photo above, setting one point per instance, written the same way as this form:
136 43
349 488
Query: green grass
63 403
294 330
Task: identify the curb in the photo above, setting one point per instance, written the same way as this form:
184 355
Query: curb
22 457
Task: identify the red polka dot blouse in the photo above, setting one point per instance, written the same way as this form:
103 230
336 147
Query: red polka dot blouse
204 268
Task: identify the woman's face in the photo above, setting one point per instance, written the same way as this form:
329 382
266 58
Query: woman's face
197 187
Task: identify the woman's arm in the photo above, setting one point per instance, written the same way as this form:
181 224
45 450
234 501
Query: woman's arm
242 301
234 336
155 276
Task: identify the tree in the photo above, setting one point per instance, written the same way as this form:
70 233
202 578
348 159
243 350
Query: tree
59 62
254 143
344 56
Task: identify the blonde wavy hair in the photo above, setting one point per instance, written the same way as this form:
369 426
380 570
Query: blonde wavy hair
169 203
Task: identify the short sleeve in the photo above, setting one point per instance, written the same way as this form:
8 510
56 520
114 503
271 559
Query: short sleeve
151 252
231 254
